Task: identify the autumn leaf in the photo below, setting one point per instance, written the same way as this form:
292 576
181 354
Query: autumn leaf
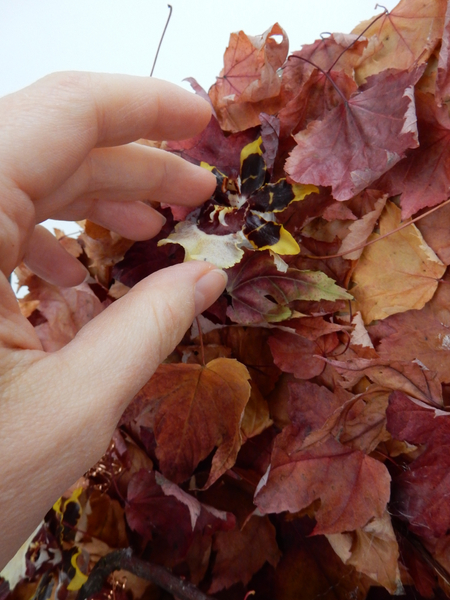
310 567
222 250
169 517
186 400
435 232
352 487
104 248
423 177
443 73
337 150
261 294
420 494
213 147
360 230
401 38
242 552
62 311
249 83
296 354
372 550
396 274
410 377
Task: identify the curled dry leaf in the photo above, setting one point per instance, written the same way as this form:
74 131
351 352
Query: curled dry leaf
372 550
249 83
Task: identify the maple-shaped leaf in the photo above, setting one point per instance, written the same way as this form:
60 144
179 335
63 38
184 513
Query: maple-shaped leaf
372 550
352 487
242 552
316 77
398 273
423 177
340 151
160 511
401 38
62 312
249 82
336 52
314 100
420 494
296 354
262 294
196 409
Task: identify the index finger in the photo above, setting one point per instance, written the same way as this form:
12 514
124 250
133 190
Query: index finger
56 122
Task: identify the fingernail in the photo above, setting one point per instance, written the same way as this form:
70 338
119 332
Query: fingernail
209 288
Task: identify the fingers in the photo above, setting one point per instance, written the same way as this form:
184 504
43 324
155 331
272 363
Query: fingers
127 173
48 130
58 120
49 260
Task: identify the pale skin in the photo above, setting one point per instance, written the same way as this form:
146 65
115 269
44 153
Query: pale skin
67 152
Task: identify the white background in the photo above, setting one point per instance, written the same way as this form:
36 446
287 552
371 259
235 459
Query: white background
38 37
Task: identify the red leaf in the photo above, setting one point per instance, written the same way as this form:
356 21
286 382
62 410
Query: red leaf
339 150
423 177
296 354
351 486
197 409
213 147
160 511
242 552
421 492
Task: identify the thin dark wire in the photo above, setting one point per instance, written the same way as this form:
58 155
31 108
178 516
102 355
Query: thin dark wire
161 40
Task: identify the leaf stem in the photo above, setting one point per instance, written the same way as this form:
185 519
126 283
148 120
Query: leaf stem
381 237
124 559
200 335
386 12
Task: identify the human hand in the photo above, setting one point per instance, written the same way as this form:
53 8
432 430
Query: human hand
66 152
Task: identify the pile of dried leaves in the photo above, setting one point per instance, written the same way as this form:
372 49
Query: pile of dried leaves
297 442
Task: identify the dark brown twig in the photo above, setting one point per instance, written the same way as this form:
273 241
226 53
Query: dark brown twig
161 40
124 559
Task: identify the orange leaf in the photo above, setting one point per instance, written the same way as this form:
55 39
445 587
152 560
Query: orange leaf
249 83
402 38
397 273
198 408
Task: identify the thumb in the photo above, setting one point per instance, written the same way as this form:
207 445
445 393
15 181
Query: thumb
120 349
